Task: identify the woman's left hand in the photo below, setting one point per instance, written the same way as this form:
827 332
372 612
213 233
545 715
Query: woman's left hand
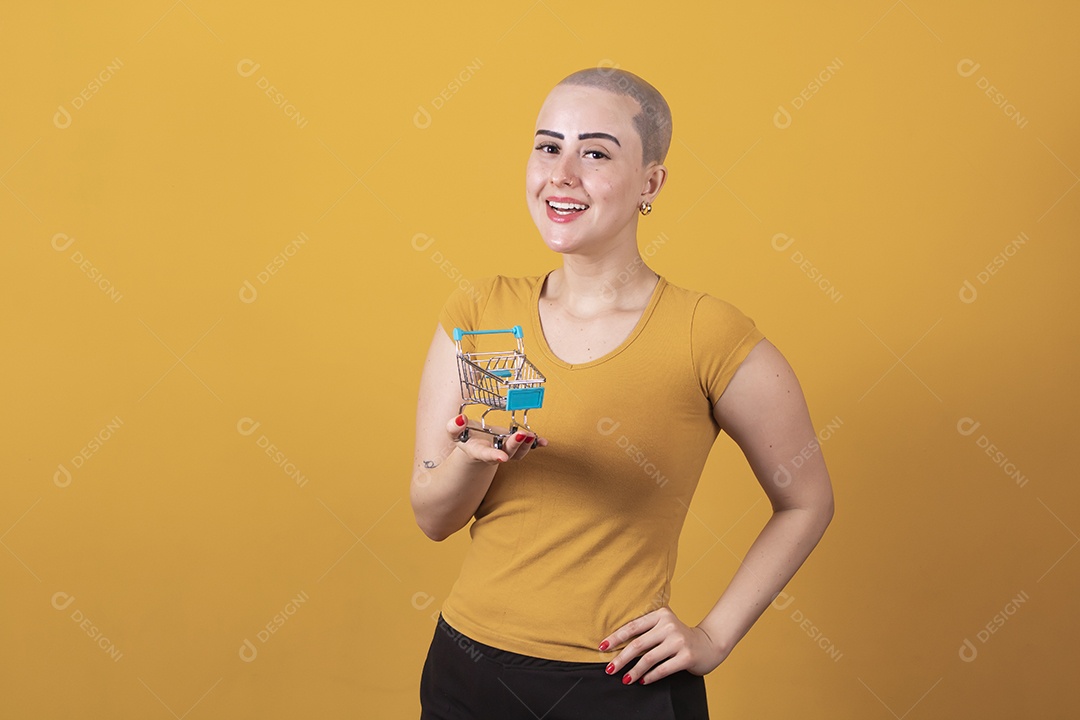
665 645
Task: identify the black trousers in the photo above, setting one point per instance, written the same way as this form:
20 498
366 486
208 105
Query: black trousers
467 680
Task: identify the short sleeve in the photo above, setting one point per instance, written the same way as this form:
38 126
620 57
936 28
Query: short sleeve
465 306
721 337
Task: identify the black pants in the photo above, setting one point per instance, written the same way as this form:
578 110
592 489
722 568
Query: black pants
467 680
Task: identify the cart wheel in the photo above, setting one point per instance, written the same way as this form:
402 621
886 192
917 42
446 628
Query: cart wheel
498 443
536 439
464 436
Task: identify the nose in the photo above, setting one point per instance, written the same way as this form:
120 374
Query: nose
564 172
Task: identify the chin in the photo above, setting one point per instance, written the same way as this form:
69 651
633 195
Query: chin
561 242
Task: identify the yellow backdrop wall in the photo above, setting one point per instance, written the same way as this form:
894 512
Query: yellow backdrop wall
228 228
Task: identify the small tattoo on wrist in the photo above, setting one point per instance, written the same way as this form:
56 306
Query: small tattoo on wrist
430 464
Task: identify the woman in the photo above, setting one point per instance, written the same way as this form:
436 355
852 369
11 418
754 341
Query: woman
561 603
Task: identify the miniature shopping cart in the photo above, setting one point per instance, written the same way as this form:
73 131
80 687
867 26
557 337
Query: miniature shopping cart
500 381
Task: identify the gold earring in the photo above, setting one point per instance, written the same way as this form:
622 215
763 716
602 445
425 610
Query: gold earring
645 208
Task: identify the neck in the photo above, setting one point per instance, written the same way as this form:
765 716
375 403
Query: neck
590 285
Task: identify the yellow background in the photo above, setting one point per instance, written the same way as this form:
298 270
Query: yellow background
134 585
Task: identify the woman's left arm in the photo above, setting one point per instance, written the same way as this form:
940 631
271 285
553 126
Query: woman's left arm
765 413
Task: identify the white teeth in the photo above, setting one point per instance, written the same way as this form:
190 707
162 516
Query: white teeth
566 207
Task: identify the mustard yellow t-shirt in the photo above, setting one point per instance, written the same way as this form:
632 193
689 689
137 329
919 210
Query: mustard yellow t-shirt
581 536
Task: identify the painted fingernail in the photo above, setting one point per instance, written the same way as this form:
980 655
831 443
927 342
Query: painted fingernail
626 680
519 437
641 681
604 646
460 420
610 668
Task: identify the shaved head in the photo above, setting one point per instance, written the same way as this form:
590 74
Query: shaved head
653 122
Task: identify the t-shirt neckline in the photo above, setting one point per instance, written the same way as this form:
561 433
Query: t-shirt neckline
538 328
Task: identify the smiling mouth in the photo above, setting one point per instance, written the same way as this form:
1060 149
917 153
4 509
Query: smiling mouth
565 208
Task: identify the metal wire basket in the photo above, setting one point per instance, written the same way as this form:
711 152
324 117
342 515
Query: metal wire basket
499 381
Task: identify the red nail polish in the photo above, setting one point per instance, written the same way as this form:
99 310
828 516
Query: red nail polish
519 437
641 681
604 646
460 420
610 668
626 680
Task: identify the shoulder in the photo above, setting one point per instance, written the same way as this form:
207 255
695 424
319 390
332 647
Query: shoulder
475 300
705 310
482 288
720 336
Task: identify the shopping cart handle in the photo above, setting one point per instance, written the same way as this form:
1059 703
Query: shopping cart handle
459 333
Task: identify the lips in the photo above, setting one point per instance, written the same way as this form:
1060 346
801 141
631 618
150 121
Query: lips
562 209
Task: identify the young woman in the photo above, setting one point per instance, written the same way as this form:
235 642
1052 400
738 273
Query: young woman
560 610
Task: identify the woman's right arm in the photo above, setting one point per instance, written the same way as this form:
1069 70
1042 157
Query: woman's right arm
450 478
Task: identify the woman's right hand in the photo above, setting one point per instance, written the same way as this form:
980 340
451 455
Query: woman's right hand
480 446
450 478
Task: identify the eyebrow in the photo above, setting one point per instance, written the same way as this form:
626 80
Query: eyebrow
582 136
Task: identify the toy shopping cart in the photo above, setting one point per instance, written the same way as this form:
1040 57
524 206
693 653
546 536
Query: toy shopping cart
500 381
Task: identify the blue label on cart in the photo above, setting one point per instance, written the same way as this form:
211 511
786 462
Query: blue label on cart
524 398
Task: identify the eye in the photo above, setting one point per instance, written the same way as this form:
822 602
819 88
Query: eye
596 155
548 148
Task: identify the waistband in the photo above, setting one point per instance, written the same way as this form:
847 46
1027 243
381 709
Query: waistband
507 658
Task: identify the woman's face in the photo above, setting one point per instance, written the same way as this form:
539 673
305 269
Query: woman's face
584 178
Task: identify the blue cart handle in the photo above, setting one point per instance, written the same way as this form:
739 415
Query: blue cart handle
459 333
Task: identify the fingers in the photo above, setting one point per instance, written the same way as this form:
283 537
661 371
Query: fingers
457 424
632 629
480 445
519 444
658 644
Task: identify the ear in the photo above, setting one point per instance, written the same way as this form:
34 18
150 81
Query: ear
655 177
